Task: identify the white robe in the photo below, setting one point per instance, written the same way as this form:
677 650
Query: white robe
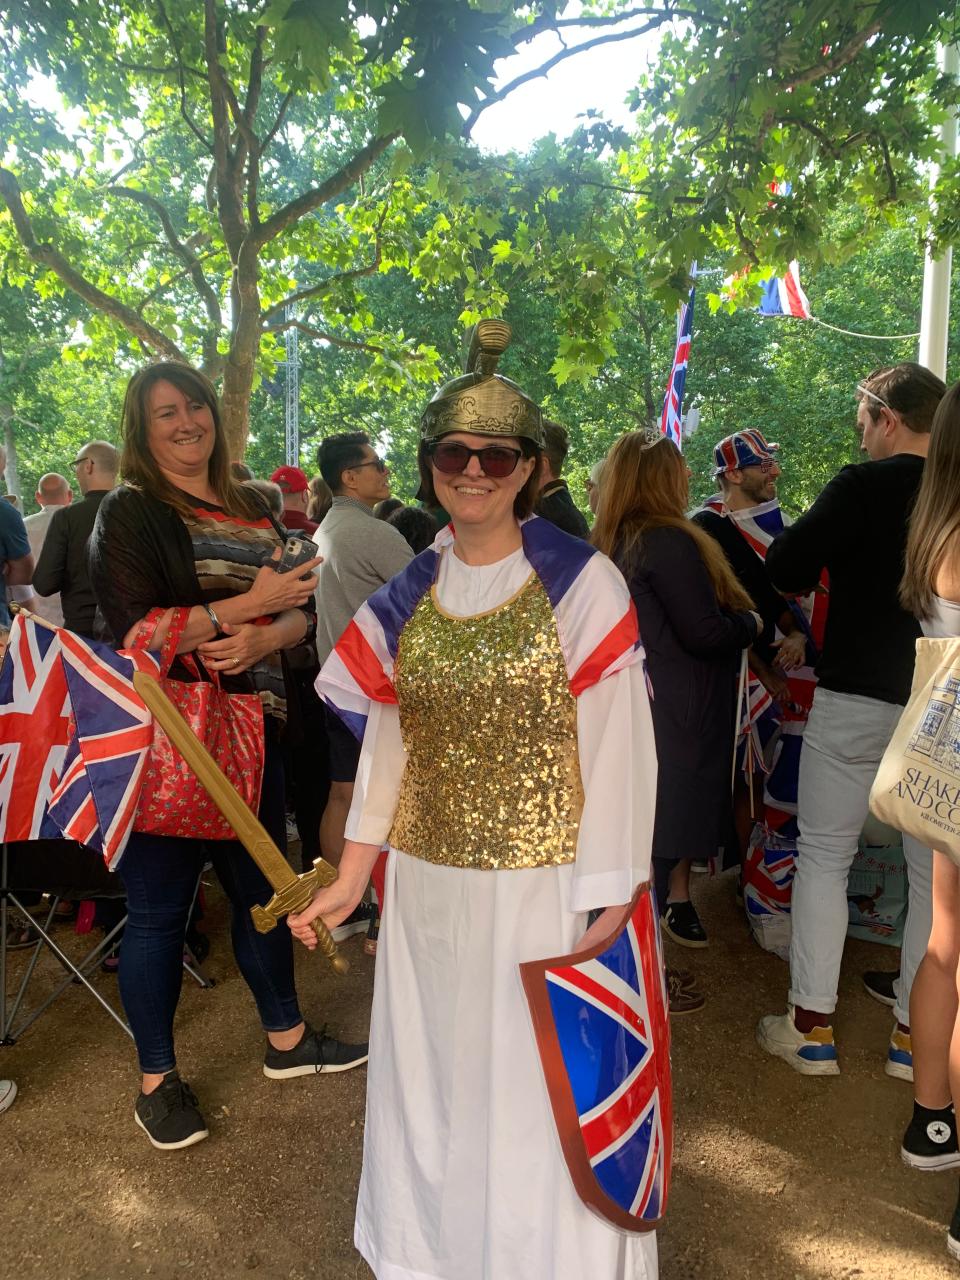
463 1177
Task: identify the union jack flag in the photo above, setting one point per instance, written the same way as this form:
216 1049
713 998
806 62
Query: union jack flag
607 1019
34 730
596 620
784 295
74 738
670 422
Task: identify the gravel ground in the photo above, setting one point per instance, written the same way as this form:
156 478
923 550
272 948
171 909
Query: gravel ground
776 1177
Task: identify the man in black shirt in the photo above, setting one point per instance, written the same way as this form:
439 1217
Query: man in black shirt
857 531
63 561
554 502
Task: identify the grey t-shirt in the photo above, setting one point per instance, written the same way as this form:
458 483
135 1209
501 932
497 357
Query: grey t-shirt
360 553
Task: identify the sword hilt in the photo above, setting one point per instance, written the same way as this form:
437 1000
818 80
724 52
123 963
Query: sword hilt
294 897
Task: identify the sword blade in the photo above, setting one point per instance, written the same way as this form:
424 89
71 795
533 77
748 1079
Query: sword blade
247 827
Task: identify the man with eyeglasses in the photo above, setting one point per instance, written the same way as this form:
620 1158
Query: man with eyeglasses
857 531
62 566
360 553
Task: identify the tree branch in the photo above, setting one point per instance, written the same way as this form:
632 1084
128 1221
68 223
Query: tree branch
183 251
545 68
181 78
840 59
661 15
228 195
46 255
322 334
277 124
303 204
314 291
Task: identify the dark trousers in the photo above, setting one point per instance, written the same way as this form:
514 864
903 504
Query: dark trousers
160 874
306 761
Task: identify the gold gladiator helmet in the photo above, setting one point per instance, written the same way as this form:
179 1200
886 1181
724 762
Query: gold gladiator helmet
482 400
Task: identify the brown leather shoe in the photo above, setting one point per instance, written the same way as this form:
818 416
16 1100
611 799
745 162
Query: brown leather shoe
683 999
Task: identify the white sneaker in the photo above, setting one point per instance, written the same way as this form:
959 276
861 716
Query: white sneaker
900 1056
8 1091
358 921
812 1053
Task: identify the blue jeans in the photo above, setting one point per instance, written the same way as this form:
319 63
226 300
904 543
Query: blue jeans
160 874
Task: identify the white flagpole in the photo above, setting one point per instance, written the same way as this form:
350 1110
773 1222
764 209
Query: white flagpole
935 310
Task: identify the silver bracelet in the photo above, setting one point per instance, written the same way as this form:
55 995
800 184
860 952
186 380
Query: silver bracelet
213 618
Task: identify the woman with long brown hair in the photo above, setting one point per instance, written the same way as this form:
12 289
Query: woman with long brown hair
695 619
182 538
931 590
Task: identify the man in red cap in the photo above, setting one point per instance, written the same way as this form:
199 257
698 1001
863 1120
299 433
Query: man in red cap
295 488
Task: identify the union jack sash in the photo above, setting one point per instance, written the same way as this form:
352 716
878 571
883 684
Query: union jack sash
595 616
602 1026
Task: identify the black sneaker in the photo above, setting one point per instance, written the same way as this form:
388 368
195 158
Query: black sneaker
879 984
681 922
358 921
953 1234
170 1116
931 1146
316 1054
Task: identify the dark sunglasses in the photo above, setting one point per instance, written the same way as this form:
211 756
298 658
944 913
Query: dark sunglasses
496 460
373 462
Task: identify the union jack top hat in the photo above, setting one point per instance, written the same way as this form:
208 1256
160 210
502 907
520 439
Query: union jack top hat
742 449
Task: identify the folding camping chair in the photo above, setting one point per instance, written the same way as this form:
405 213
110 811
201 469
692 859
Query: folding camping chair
64 871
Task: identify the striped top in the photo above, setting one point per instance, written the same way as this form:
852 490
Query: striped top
228 552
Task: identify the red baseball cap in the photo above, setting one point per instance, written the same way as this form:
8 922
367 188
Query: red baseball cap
290 479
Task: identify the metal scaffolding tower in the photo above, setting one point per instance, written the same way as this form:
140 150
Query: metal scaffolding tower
292 384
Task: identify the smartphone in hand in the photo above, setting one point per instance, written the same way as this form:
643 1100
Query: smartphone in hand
296 551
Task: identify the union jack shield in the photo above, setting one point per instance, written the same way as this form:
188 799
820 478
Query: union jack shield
602 1026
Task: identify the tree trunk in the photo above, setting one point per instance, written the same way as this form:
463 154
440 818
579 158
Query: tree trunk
235 405
10 444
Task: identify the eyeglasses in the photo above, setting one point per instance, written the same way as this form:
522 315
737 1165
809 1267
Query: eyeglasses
76 462
372 462
863 390
496 460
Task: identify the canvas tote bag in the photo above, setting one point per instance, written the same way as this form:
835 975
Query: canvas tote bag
917 787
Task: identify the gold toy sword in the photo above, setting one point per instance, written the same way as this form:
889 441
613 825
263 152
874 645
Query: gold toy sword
292 892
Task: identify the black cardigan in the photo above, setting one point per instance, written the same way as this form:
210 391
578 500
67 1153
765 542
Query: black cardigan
141 557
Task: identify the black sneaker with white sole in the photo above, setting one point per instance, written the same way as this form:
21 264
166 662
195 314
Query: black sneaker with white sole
316 1054
879 984
930 1142
681 922
170 1116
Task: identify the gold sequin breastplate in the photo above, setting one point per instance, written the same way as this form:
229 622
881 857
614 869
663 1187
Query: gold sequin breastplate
492 779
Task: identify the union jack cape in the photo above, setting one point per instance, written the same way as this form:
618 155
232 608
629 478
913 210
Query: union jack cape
776 735
595 616
74 738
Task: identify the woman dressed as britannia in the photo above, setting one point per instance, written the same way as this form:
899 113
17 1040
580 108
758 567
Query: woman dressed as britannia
508 762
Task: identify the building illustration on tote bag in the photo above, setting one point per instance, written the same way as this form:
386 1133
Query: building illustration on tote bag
937 738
